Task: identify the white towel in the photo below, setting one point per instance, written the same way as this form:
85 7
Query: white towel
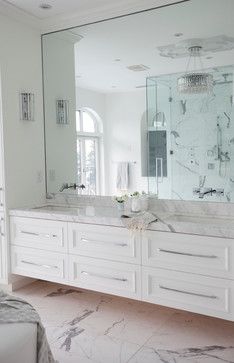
122 180
140 222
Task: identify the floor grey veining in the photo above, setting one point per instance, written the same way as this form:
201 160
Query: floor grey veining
88 327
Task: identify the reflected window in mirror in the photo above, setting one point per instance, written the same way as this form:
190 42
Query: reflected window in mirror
89 135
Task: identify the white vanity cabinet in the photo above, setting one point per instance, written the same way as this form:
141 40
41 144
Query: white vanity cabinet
115 278
111 243
197 293
211 256
41 264
39 233
39 248
189 272
106 259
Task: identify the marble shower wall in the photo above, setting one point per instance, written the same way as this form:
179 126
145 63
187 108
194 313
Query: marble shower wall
200 138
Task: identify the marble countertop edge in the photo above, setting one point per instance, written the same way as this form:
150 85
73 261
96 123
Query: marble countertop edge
165 223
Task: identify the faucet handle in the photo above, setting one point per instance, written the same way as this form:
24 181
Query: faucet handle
76 186
82 186
220 191
64 186
72 186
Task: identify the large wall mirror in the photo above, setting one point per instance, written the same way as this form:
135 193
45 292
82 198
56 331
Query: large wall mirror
143 102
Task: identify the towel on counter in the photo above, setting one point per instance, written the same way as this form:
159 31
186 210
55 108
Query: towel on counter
140 222
122 180
15 310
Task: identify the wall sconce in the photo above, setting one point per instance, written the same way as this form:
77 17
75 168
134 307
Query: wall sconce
62 111
26 106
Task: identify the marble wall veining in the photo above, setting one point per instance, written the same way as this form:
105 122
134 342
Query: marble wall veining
200 138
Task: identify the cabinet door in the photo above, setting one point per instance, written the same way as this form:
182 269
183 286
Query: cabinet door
106 276
190 253
200 294
39 233
111 243
40 264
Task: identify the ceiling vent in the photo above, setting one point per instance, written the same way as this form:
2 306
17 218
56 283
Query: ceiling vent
138 68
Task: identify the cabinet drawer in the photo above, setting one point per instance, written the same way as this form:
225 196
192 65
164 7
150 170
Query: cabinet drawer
112 243
44 265
110 277
38 233
199 254
200 294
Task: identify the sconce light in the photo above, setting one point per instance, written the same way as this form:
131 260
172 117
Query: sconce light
62 111
26 106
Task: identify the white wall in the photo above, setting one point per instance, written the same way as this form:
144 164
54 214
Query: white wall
59 80
20 68
125 112
91 99
20 65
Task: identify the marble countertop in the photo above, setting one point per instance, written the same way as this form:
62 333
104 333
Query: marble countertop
105 215
110 216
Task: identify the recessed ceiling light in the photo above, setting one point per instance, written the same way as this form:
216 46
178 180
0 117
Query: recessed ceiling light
178 34
138 68
117 60
45 6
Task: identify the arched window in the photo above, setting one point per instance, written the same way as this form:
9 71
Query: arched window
89 133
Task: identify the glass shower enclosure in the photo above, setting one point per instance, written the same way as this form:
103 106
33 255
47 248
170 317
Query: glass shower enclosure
191 139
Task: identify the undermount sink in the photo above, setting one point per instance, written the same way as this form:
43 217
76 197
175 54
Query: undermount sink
207 220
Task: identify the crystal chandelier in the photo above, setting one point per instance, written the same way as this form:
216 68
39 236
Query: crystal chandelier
195 81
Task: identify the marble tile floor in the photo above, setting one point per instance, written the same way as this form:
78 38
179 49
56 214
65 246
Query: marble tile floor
88 327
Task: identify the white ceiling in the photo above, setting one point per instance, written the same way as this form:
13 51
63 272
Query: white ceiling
59 7
67 13
134 40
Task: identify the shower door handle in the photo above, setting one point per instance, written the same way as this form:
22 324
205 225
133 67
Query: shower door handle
159 179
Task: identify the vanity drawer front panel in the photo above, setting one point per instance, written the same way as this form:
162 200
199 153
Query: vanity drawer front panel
38 233
112 243
40 264
106 276
200 294
190 253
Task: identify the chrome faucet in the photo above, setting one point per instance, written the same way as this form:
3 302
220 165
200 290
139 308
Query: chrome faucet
71 186
201 192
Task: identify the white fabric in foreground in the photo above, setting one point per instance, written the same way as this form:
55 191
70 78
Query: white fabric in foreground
122 179
140 222
16 310
18 343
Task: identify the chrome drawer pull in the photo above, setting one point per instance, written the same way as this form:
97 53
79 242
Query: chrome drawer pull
104 276
187 292
47 235
186 253
38 264
31 233
113 243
